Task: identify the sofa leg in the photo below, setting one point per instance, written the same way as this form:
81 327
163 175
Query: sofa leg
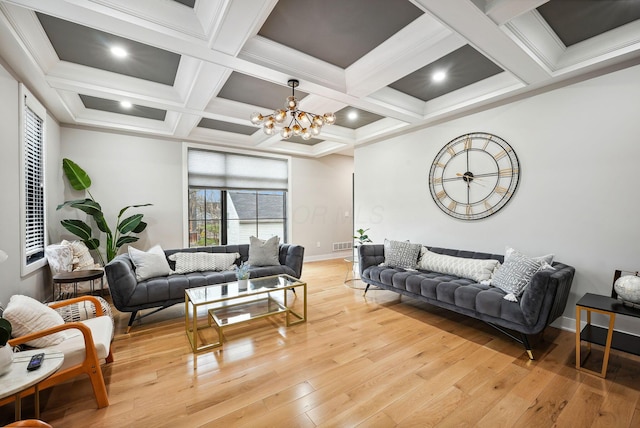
131 320
366 289
525 342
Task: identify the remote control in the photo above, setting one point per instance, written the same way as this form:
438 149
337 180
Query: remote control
36 362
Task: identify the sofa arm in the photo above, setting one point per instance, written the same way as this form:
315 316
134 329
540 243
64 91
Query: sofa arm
370 255
292 256
554 283
122 281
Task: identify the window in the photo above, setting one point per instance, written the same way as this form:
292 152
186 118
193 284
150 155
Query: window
33 188
234 196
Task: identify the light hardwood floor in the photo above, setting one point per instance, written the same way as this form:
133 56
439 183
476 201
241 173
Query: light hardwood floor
375 362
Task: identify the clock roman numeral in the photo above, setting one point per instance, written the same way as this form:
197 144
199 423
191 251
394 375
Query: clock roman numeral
451 151
467 143
439 164
437 180
507 172
468 210
501 190
453 205
500 155
441 194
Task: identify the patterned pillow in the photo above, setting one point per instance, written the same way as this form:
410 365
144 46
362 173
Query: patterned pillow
81 256
476 269
201 262
516 272
401 254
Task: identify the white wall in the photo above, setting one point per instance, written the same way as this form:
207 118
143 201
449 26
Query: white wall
321 197
578 149
37 283
127 170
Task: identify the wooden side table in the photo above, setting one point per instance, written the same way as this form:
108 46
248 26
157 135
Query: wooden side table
607 337
18 379
75 277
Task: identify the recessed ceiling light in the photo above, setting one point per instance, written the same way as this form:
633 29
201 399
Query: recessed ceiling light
438 76
119 52
125 104
352 115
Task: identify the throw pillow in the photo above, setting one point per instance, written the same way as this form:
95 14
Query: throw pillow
516 272
27 316
264 253
401 254
203 262
149 264
59 257
476 269
81 256
547 259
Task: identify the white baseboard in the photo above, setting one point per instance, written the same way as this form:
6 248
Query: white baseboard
330 256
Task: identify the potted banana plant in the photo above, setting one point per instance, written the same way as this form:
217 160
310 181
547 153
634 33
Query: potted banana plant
123 233
6 352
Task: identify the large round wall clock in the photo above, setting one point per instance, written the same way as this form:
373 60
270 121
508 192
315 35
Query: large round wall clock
474 176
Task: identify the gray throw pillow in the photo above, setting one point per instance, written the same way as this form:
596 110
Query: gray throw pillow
516 272
401 254
264 253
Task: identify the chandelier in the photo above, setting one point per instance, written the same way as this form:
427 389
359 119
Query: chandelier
296 122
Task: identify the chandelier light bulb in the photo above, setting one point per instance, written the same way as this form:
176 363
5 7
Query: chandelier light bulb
286 133
256 118
292 103
329 118
301 123
279 115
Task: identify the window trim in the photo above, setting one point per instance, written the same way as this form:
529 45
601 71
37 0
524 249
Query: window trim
26 97
185 184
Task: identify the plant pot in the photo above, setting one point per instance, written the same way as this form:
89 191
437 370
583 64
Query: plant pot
6 358
243 283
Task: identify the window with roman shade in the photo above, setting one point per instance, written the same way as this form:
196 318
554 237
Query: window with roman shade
234 196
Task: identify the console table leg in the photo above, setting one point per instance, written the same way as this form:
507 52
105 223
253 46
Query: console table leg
607 348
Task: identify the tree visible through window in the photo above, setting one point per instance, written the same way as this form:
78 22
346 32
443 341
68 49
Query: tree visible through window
219 217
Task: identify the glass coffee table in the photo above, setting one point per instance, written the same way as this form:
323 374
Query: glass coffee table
212 308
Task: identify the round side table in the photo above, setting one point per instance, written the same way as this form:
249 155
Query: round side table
74 278
18 378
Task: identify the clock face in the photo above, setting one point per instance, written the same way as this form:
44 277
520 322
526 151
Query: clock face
474 176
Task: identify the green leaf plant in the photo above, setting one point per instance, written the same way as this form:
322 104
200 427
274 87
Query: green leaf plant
5 331
125 229
362 236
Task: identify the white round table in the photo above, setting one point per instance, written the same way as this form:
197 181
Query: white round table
18 379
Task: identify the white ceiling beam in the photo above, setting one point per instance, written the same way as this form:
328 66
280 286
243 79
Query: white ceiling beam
503 11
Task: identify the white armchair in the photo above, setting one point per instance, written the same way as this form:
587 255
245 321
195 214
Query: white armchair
84 345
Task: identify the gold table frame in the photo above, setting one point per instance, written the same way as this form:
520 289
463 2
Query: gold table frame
232 297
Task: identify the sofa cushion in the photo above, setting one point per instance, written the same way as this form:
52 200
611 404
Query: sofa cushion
516 272
401 254
203 262
476 269
264 252
150 263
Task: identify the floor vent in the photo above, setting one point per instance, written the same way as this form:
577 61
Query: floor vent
341 246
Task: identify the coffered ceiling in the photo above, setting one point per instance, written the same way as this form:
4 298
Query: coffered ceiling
195 70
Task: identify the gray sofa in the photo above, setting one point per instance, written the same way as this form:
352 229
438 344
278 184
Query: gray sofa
543 300
129 295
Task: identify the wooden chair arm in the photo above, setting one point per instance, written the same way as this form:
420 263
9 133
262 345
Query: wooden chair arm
92 299
86 332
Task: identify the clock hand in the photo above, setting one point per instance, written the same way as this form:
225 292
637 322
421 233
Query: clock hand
472 179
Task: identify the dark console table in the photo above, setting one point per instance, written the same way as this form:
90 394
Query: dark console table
607 337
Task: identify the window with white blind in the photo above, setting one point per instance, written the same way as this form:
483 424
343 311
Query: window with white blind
33 184
233 196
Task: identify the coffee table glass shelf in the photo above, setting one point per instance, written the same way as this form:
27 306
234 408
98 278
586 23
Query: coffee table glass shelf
212 308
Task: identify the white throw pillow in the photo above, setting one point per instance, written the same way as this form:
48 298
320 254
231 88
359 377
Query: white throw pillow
149 264
476 269
264 253
203 262
59 257
27 316
82 259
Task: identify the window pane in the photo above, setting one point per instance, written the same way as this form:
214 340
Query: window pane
241 216
204 217
271 205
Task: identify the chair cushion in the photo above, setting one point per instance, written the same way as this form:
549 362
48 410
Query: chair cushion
73 346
